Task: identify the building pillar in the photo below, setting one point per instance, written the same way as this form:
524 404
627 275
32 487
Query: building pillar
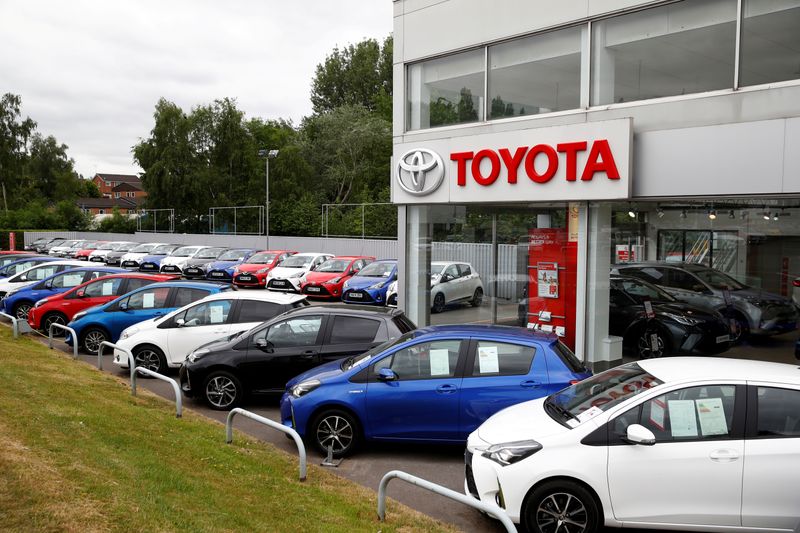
415 276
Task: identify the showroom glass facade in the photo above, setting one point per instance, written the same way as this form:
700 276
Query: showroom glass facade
676 49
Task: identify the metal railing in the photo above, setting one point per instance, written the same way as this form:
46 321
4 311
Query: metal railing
14 326
490 509
301 449
65 328
162 377
131 362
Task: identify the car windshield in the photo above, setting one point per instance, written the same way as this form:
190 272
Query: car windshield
334 265
719 281
123 246
261 258
76 245
641 290
184 251
297 261
377 270
106 246
233 255
352 361
209 253
88 246
437 269
601 391
142 248
163 249
66 244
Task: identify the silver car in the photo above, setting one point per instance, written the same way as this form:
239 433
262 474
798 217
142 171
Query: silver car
453 282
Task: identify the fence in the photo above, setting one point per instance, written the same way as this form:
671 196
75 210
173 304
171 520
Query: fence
375 220
65 328
479 255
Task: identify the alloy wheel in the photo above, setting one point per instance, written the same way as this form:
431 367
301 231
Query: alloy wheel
335 431
562 512
22 311
149 359
438 303
221 391
645 347
54 319
92 341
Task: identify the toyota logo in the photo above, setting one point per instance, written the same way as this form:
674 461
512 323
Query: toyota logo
420 171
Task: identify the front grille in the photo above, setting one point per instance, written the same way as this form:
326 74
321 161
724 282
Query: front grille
193 272
170 269
96 259
130 264
358 296
280 284
149 267
316 290
471 487
218 274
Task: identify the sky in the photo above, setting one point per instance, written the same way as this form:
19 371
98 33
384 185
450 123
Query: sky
90 72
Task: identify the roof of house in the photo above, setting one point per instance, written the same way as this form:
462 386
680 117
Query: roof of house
106 203
124 178
127 186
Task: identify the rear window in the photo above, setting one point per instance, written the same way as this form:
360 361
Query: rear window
569 358
258 311
353 330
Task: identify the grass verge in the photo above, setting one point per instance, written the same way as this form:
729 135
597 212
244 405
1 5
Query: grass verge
79 453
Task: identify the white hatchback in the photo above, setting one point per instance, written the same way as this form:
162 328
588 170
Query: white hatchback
290 273
166 341
453 282
34 274
698 444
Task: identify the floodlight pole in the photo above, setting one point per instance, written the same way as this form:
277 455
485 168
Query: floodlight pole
267 155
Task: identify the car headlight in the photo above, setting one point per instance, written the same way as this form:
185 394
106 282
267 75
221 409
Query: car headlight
376 286
305 387
334 281
79 315
130 332
511 452
683 319
41 302
198 354
263 271
297 275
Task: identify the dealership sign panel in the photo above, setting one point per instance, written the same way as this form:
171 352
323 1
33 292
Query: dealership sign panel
589 161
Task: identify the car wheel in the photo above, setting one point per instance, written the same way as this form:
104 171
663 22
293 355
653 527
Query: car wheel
92 338
560 507
438 303
742 329
222 390
337 429
150 358
477 298
644 344
21 310
54 318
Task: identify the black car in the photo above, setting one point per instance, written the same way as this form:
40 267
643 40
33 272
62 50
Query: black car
196 266
262 360
674 328
113 257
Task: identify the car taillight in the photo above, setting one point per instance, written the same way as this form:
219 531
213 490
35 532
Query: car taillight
796 282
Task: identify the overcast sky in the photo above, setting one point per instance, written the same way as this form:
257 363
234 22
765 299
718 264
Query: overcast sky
91 71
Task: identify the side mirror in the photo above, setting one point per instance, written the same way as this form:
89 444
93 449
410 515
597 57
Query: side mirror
49 285
446 278
123 306
180 322
638 434
264 345
81 293
386 374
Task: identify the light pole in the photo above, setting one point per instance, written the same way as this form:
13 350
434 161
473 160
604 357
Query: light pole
267 154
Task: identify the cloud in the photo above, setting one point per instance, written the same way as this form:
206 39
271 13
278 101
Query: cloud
90 72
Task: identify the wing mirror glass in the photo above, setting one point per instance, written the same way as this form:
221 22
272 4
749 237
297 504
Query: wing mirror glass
387 374
81 293
180 322
123 306
264 345
638 434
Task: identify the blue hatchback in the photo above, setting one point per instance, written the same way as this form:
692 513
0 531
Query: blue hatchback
21 265
21 301
222 268
371 283
106 322
436 384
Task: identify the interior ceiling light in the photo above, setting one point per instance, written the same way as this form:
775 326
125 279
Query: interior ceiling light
712 214
731 214
775 216
766 215
631 213
660 212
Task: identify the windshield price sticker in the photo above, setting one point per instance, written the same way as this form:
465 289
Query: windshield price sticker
440 362
589 414
648 309
488 362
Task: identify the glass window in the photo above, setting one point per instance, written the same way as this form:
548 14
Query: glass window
154 298
428 360
683 280
501 359
681 48
464 270
299 331
137 283
261 258
206 314
106 287
334 265
40 273
770 47
353 330
68 279
446 91
451 272
778 412
258 311
185 296
537 74
689 414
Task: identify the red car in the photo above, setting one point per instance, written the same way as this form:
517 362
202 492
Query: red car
60 308
253 272
83 253
326 280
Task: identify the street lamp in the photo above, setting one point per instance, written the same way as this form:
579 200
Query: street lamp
267 154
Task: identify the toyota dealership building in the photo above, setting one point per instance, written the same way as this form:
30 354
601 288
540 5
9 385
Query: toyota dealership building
549 144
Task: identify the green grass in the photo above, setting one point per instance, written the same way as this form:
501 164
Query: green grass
79 453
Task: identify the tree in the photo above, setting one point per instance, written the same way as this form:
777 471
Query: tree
117 223
359 74
14 135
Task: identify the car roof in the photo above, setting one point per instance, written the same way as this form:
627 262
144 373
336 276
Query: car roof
662 264
365 310
190 284
508 332
282 298
385 261
311 253
720 368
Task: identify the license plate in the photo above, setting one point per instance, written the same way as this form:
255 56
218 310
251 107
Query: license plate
217 274
723 338
356 295
129 264
192 271
170 269
313 289
280 283
245 278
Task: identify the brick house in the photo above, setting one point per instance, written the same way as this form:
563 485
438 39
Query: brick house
105 206
127 185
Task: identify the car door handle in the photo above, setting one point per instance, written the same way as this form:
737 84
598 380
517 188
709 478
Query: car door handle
530 384
724 456
308 355
446 389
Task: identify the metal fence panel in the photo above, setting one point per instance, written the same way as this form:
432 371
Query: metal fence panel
479 255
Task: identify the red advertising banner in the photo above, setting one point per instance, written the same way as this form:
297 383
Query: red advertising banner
12 241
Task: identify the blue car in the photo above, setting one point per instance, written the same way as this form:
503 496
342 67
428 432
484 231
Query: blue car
21 265
370 285
152 262
19 302
222 268
436 384
106 322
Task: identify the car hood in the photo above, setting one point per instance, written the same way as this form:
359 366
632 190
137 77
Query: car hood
285 272
199 262
324 372
7 286
322 277
252 267
678 308
152 259
523 421
175 260
130 256
757 295
362 282
221 265
101 253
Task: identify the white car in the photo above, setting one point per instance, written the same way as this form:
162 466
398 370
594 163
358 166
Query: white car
165 342
34 274
454 282
63 248
391 294
131 259
691 443
99 255
288 275
176 262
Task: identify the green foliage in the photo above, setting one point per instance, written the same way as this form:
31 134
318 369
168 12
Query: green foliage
117 223
36 214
